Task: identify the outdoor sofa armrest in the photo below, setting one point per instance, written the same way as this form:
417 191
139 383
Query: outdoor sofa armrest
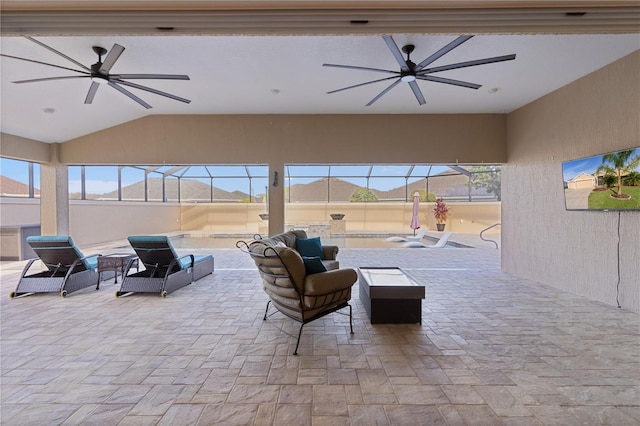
91 262
184 264
329 282
330 252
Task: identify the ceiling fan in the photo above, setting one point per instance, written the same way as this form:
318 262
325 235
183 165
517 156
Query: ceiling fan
410 72
99 74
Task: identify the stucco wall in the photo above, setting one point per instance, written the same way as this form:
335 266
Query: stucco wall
94 222
302 139
576 251
20 148
360 217
19 211
469 218
97 222
276 140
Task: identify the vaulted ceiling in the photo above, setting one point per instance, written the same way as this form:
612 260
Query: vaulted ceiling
270 60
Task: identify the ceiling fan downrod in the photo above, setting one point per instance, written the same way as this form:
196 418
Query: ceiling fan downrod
96 75
410 75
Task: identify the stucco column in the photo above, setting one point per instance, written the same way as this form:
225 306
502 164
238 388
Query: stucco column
276 198
54 195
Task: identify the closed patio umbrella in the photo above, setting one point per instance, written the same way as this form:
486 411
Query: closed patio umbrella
415 219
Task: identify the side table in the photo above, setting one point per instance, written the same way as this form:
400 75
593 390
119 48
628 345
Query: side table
116 262
390 295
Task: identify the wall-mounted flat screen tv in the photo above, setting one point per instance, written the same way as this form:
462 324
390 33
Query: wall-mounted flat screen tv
603 182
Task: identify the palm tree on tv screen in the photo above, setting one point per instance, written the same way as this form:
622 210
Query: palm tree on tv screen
618 163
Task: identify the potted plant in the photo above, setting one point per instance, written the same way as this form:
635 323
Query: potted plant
441 213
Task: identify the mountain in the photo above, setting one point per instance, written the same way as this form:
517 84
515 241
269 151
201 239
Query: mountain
12 188
318 190
190 190
448 184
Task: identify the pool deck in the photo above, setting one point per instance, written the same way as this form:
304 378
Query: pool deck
492 349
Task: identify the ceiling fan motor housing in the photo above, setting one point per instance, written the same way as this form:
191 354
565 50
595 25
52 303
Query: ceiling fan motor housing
96 75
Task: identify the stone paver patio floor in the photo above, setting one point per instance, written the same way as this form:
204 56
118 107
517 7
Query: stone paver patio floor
492 349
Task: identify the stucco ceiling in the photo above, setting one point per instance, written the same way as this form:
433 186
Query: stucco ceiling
284 75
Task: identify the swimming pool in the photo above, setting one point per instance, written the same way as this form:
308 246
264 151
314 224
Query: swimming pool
197 241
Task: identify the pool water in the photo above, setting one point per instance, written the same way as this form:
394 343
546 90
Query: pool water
208 241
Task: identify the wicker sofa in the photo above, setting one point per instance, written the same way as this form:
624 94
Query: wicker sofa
294 290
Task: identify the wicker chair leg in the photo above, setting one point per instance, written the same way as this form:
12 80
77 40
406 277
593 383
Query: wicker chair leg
295 352
350 319
265 311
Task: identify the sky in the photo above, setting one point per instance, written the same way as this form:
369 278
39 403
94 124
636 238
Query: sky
589 165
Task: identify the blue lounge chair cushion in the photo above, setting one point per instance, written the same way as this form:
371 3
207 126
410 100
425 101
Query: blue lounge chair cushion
185 262
157 248
160 243
91 262
47 247
202 258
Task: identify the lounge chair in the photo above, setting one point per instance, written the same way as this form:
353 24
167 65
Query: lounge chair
164 271
419 236
68 270
442 241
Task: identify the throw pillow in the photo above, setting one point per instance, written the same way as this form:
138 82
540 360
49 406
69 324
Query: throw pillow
313 265
310 247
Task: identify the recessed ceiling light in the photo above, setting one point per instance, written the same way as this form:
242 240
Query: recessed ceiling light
275 91
493 90
49 110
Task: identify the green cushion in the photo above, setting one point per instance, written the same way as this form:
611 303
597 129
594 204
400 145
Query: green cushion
310 247
313 265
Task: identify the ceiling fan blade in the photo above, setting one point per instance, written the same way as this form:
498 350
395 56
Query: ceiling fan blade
417 92
129 94
448 48
449 81
151 76
111 58
92 92
396 52
58 53
35 80
42 63
157 92
384 92
361 84
468 64
352 67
